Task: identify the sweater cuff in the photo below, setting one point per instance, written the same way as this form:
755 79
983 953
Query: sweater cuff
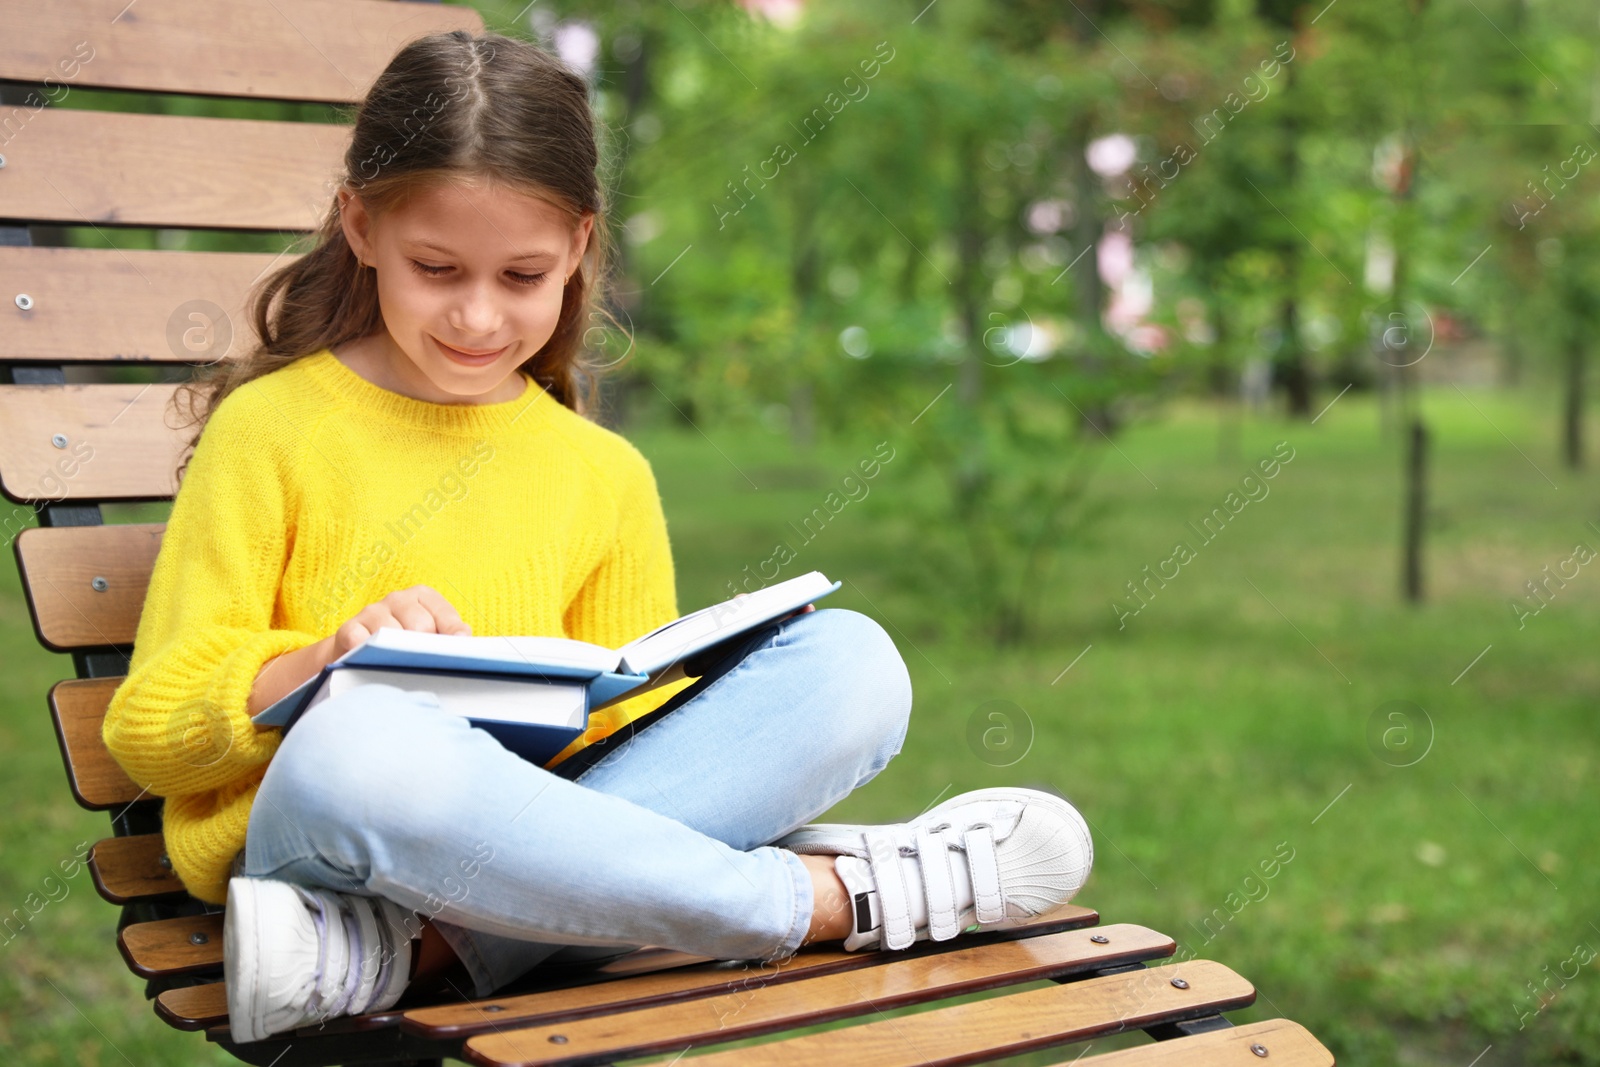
236 678
204 833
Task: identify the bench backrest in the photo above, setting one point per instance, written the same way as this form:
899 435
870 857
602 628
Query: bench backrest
74 155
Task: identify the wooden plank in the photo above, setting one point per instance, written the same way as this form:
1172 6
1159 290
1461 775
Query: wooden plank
206 1006
188 945
979 1031
750 1012
129 305
284 50
194 1007
78 707
116 442
606 994
60 567
1283 1044
135 867
72 166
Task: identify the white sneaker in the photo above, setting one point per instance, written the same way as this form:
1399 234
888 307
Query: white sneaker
294 955
1026 852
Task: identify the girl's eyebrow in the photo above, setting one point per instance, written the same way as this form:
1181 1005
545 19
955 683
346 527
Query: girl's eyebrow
540 254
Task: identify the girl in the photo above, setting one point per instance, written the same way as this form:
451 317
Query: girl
406 447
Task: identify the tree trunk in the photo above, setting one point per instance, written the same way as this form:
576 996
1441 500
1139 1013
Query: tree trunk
1289 365
1415 444
1087 288
969 285
1573 421
805 272
1223 379
616 393
1416 469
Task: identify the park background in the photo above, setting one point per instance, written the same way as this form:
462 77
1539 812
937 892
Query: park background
1221 369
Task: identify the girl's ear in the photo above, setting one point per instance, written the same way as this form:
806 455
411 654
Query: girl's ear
355 221
580 238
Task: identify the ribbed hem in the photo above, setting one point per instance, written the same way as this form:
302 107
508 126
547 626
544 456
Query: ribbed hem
235 679
467 418
205 835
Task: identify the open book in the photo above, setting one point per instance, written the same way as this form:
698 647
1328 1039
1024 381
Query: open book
535 694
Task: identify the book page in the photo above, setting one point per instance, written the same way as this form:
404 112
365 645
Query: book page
503 700
552 651
701 629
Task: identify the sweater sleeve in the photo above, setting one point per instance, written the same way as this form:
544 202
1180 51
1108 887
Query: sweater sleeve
178 724
630 592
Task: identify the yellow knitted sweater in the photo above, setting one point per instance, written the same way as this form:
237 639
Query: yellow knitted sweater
313 493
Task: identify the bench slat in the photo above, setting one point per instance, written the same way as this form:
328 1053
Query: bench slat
285 50
963 1033
78 707
604 996
59 567
129 305
201 1007
71 166
205 1006
1287 1044
191 944
126 869
118 445
747 1013
193 1007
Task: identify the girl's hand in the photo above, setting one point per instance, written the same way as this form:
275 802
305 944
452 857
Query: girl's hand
418 608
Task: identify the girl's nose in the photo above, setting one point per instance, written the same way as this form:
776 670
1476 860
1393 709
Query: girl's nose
475 313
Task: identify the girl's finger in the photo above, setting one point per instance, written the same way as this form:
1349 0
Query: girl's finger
446 617
415 617
354 633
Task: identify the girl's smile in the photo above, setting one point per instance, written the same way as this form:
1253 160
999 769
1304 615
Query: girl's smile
471 359
471 277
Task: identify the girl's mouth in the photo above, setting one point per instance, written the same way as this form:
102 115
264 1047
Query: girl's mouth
470 359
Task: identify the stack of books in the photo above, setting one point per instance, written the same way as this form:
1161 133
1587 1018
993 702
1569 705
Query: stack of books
535 694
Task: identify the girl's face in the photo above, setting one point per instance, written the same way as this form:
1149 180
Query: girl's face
470 281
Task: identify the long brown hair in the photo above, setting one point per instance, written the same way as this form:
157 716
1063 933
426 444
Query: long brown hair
448 105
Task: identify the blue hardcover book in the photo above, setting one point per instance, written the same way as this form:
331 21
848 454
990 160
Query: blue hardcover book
535 694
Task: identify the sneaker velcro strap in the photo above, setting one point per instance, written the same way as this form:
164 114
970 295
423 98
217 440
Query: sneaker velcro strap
352 974
988 898
938 884
318 908
884 854
394 924
386 959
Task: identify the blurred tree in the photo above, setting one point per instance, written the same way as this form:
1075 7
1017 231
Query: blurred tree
863 223
1289 365
857 276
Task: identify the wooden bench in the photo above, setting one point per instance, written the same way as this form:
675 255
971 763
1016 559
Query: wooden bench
69 447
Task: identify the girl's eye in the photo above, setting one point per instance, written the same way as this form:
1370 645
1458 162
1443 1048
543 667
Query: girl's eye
521 279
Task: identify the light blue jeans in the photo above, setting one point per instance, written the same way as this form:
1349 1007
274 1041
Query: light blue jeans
663 842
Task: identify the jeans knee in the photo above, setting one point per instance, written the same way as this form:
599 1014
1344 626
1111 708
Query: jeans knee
361 751
875 703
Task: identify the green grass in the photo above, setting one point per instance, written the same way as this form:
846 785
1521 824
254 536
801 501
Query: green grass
1217 728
